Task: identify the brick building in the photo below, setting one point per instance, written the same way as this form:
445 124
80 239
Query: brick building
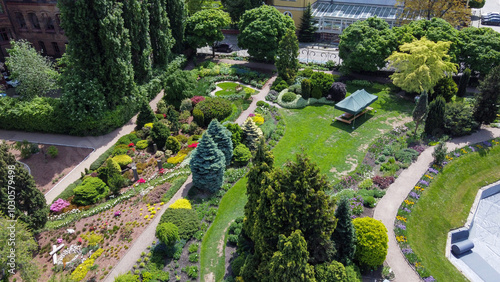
34 20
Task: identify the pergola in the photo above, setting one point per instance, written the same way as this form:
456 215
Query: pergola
355 105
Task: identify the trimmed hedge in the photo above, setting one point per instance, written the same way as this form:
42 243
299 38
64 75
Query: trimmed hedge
300 102
211 108
186 220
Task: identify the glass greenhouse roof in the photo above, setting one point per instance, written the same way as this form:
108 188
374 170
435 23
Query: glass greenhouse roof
353 11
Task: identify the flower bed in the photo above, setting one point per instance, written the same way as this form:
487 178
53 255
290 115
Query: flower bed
405 209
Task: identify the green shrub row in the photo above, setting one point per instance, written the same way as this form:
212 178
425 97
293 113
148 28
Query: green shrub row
300 102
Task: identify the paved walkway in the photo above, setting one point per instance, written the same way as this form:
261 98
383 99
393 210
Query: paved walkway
99 143
147 236
387 208
259 97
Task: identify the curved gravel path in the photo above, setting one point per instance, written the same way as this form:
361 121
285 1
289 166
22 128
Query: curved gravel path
387 208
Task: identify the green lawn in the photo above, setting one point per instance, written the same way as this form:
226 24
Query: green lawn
229 88
445 205
212 254
335 146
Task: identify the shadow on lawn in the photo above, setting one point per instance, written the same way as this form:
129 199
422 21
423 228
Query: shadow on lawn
360 121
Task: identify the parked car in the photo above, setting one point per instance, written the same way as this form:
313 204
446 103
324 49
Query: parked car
223 47
491 21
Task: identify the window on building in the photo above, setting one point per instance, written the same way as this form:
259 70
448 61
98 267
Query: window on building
34 20
50 24
20 20
4 34
43 50
287 13
56 48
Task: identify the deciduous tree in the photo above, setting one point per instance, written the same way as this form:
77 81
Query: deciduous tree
179 86
204 28
479 49
261 30
236 8
453 11
287 61
35 72
488 99
307 26
365 45
420 65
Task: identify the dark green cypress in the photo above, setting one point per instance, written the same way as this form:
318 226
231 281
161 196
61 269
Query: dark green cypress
146 115
434 125
160 33
344 235
488 99
307 26
221 137
464 81
177 15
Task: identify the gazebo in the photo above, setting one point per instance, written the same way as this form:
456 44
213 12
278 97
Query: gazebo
355 105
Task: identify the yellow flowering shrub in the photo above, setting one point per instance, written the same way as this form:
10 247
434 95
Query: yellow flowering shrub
81 271
181 204
177 159
258 119
92 238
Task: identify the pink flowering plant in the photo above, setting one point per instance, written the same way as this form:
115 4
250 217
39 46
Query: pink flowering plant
59 205
141 180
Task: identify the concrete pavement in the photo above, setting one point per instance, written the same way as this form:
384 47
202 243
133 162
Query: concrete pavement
388 206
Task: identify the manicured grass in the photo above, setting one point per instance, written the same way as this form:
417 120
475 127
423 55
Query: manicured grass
335 146
445 205
229 88
231 206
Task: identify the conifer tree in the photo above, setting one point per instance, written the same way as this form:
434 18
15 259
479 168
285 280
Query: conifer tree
251 134
307 26
420 110
146 115
464 81
434 124
207 165
136 20
287 61
289 263
222 138
259 177
177 15
159 134
173 117
488 99
344 235
160 33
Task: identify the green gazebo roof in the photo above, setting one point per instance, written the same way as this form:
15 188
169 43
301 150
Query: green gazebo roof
356 102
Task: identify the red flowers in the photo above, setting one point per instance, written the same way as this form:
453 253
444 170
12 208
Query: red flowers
131 145
162 171
194 145
141 180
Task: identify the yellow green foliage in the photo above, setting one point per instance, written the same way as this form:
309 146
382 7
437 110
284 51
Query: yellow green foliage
150 125
92 238
181 204
122 160
81 271
258 119
141 145
177 159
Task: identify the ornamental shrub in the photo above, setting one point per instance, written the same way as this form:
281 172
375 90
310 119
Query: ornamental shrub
251 134
121 149
186 105
52 151
141 145
406 155
214 108
306 88
445 87
237 264
197 99
122 160
365 184
146 115
333 271
464 82
316 92
323 81
177 159
258 119
198 116
222 138
128 277
207 165
337 92
186 221
167 233
181 204
383 181
59 205
372 239
159 134
241 155
459 119
173 144
434 124
439 153
288 97
90 191
369 202
236 133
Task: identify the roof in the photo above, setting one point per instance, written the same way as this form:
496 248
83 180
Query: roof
356 102
355 11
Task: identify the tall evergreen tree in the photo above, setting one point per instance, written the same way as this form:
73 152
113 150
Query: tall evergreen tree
289 263
19 197
177 15
207 165
287 61
160 33
98 51
221 137
488 99
146 115
307 26
434 125
464 82
173 117
136 20
344 235
251 134
259 177
420 110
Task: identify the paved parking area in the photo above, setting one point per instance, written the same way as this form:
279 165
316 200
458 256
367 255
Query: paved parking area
491 6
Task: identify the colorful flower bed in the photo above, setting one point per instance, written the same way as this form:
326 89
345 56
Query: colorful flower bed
404 212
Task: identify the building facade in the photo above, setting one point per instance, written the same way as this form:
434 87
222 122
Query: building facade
292 8
37 21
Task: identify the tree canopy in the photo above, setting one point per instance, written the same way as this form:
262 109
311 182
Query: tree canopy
420 65
236 8
307 26
479 49
488 99
365 45
177 15
453 11
179 86
160 32
287 61
204 28
35 72
261 30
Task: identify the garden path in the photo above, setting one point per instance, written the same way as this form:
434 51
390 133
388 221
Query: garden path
147 236
259 97
99 143
387 208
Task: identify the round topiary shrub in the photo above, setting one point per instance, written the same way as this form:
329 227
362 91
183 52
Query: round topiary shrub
372 239
122 160
168 233
241 155
173 144
90 191
141 145
288 97
214 108
186 221
369 202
